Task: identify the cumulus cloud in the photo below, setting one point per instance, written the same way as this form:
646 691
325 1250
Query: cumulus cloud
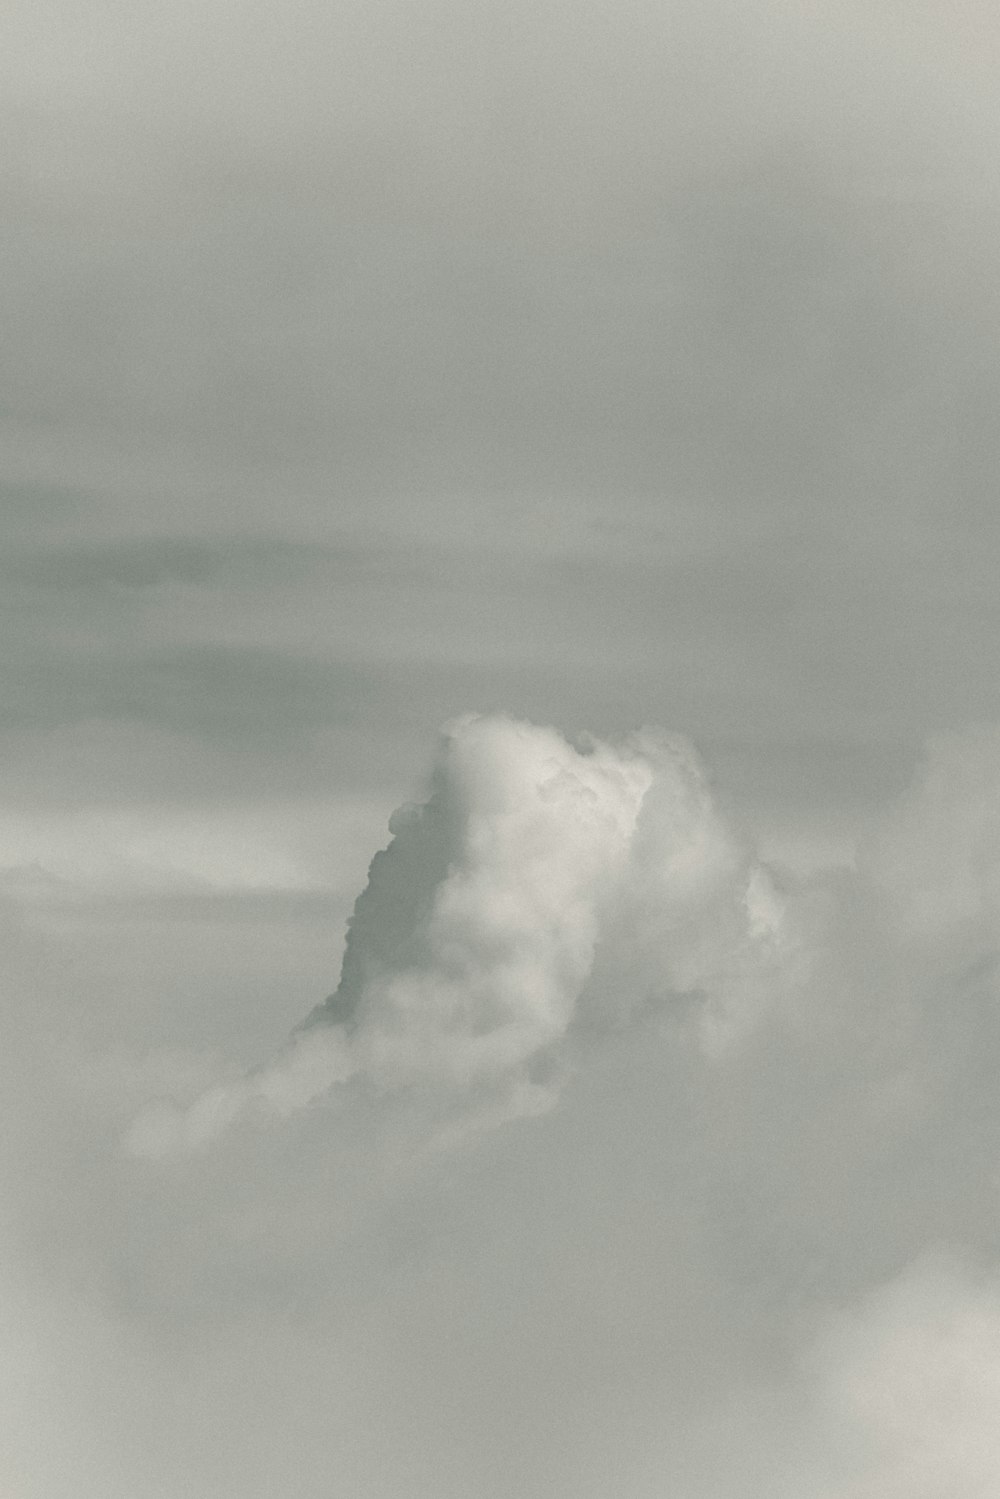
541 888
714 1270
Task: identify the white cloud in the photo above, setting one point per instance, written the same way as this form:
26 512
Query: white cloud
538 885
683 1279
906 1389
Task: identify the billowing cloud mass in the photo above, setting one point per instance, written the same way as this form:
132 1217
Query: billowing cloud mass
810 1068
737 1234
541 889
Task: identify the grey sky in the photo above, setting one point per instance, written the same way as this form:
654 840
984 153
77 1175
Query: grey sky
665 334
603 365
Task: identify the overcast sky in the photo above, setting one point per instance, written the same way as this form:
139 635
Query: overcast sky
603 367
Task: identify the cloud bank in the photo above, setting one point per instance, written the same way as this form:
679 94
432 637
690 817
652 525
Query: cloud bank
540 891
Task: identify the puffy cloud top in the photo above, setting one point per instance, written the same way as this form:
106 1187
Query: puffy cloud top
539 886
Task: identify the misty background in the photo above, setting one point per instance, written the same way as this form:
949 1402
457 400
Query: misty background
364 365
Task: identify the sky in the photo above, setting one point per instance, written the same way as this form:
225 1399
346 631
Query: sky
500 746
